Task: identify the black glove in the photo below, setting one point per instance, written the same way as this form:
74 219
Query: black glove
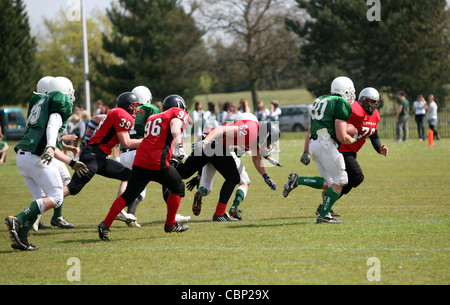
269 182
194 182
306 158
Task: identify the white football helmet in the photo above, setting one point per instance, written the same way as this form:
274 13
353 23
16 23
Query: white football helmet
43 85
64 85
144 94
344 87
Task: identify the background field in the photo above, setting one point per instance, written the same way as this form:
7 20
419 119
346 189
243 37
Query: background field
400 215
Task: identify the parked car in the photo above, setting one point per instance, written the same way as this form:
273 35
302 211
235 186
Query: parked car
295 117
12 121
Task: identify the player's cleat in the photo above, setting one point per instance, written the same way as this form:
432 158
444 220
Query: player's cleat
103 231
327 219
132 223
24 245
13 224
177 227
291 184
197 205
319 208
124 216
224 217
235 213
182 219
60 222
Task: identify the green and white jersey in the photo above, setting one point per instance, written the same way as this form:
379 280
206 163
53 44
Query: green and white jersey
39 110
325 110
142 114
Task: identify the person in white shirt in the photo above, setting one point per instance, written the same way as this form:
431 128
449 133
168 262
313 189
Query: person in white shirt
197 118
275 113
420 109
262 113
432 116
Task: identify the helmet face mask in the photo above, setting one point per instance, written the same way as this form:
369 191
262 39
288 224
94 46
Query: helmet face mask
268 136
344 87
369 99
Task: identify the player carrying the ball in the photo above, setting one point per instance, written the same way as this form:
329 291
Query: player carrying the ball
329 116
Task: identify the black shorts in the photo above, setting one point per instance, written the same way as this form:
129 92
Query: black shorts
140 177
98 163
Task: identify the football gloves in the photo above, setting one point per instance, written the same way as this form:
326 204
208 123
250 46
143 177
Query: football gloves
80 168
274 162
48 155
306 158
199 147
179 152
269 182
194 182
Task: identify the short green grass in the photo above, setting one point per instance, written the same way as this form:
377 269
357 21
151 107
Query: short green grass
399 215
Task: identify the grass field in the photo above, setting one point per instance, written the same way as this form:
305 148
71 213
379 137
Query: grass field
399 215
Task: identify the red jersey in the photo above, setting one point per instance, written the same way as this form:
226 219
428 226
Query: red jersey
365 124
156 149
117 120
246 138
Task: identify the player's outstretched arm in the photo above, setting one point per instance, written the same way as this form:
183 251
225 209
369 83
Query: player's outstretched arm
126 141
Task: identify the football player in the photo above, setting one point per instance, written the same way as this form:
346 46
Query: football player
365 117
205 178
329 116
162 139
112 130
35 153
217 147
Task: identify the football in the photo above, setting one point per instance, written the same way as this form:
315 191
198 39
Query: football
351 130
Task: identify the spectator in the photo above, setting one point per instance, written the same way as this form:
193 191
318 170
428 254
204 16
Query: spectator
197 118
262 113
99 107
402 117
210 114
159 105
76 127
223 113
420 108
275 113
3 149
243 106
432 116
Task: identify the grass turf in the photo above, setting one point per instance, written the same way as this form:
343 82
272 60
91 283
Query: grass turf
400 215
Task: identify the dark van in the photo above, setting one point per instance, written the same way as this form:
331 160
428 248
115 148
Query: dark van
12 121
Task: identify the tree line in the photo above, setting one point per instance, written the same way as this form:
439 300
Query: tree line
233 45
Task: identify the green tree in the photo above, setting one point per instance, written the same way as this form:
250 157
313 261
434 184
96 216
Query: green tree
19 71
407 49
60 53
159 46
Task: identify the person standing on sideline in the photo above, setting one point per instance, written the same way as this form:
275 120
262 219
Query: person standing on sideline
402 117
420 108
197 118
432 116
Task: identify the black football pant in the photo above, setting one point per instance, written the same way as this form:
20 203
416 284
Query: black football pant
98 163
223 163
354 172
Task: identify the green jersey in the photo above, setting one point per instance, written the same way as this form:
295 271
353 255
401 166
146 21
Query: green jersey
142 114
39 110
325 110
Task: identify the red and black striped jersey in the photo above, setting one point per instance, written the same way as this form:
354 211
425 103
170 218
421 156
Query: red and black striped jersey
117 120
156 149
